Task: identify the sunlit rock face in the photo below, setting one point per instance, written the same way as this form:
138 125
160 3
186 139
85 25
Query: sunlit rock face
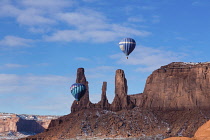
24 123
178 86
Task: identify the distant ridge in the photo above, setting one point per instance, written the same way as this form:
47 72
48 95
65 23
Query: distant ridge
14 126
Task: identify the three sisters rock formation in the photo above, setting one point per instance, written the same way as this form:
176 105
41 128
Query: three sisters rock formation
175 102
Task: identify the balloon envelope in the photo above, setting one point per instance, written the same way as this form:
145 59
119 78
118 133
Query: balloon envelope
78 90
127 45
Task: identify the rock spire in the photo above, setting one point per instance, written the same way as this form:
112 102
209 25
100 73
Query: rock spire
84 101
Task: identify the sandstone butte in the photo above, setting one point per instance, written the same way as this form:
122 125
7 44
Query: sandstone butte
175 102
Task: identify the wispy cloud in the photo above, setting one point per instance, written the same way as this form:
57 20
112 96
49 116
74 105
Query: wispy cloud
89 25
36 92
31 12
78 24
9 65
148 58
47 5
14 83
181 38
155 19
136 19
101 69
13 41
60 102
111 34
82 59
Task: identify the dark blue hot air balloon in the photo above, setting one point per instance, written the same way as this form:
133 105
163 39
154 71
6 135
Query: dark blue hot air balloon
127 45
78 90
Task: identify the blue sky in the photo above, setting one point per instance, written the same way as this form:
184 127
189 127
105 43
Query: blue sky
42 43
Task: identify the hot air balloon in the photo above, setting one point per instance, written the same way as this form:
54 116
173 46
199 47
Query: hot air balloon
127 45
77 90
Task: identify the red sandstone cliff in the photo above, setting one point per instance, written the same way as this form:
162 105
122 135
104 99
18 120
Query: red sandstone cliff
175 102
178 86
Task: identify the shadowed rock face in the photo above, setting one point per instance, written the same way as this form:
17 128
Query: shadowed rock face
84 101
178 86
104 104
121 99
175 102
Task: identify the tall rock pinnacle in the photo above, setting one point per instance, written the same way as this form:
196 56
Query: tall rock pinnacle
84 101
104 104
121 99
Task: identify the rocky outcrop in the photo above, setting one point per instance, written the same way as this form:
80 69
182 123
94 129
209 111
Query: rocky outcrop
8 122
175 102
121 99
178 86
84 101
103 103
135 123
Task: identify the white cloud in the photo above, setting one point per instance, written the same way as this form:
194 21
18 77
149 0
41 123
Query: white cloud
83 24
149 58
65 35
13 41
32 17
136 19
82 59
32 12
94 35
8 79
59 104
48 94
46 4
12 83
6 9
9 65
89 25
84 19
89 0
101 69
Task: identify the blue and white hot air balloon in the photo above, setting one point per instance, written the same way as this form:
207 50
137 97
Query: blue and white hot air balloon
127 45
78 90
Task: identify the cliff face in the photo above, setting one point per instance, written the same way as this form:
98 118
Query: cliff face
178 86
24 123
175 102
8 122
